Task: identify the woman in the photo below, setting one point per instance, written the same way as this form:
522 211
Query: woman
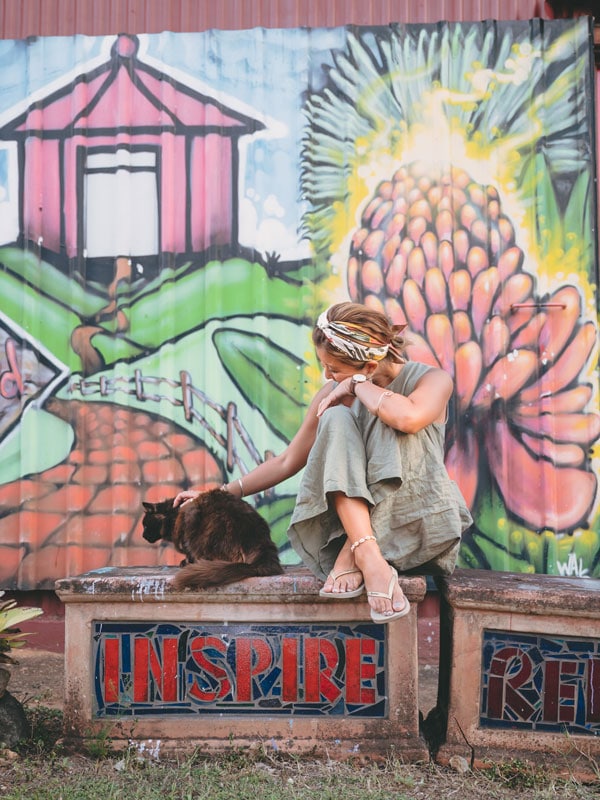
375 496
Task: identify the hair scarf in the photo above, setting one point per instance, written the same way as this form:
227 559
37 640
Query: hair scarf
352 340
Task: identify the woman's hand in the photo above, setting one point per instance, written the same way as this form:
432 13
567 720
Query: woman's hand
341 395
184 497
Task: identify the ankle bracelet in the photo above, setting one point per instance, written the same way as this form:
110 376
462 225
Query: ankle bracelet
360 541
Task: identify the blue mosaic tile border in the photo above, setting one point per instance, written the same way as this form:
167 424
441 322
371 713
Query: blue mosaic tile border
540 683
169 668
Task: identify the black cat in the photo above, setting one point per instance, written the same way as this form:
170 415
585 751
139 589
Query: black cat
223 538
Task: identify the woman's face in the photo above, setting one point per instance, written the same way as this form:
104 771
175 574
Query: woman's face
336 370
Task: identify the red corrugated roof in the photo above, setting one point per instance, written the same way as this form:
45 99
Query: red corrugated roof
22 18
125 91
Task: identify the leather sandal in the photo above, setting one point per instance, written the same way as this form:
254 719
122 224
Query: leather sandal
376 616
337 595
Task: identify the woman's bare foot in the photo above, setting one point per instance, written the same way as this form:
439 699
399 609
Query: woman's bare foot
345 575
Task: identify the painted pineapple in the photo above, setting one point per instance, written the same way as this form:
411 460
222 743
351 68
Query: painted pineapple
437 229
435 247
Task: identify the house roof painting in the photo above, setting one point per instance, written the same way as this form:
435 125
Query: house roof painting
126 94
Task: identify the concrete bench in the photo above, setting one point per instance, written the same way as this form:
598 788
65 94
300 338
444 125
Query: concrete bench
262 662
519 668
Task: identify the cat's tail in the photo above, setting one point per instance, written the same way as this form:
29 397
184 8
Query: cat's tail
204 574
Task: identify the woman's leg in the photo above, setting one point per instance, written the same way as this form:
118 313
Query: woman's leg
336 464
356 520
348 576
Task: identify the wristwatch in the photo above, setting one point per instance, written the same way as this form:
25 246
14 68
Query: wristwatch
359 378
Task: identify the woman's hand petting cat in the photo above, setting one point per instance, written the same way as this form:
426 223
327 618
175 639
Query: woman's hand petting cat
185 497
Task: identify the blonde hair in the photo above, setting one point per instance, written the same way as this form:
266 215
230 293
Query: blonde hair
373 323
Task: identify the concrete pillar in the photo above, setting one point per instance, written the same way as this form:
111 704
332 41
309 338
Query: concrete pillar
519 668
264 661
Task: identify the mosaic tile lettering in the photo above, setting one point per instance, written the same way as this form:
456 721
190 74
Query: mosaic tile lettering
540 683
187 668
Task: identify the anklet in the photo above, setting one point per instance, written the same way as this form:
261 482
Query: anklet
360 541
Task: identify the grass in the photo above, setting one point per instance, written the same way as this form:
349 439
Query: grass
43 770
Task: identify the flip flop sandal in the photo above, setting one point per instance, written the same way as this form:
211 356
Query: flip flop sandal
337 595
376 616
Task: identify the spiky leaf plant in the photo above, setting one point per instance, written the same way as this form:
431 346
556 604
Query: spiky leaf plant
11 616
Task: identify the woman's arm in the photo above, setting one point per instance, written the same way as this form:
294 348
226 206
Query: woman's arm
426 404
280 467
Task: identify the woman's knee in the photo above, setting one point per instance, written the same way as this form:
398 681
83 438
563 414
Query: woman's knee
337 418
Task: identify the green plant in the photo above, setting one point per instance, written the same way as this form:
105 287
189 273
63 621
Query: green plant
98 743
46 731
519 774
10 637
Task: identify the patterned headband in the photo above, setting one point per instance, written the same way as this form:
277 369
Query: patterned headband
352 340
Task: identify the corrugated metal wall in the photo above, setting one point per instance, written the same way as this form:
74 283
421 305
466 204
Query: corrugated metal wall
67 217
22 18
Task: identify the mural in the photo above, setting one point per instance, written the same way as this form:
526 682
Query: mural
176 209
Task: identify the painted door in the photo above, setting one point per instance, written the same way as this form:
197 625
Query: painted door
121 203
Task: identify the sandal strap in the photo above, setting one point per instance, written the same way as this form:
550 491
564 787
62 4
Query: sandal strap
381 594
335 575
390 592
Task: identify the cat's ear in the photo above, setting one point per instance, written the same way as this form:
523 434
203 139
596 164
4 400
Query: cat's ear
148 506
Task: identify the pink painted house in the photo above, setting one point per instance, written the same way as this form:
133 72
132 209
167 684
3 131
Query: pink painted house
126 161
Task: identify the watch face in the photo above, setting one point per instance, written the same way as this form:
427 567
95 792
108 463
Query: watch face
356 379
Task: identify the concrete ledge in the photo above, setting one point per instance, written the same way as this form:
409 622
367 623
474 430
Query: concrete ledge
519 668
264 661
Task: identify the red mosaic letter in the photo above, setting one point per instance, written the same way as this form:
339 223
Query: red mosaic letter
252 656
289 681
358 670
221 681
557 689
504 682
318 681
147 663
111 670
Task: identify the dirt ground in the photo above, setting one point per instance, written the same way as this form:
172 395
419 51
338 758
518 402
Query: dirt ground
39 678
